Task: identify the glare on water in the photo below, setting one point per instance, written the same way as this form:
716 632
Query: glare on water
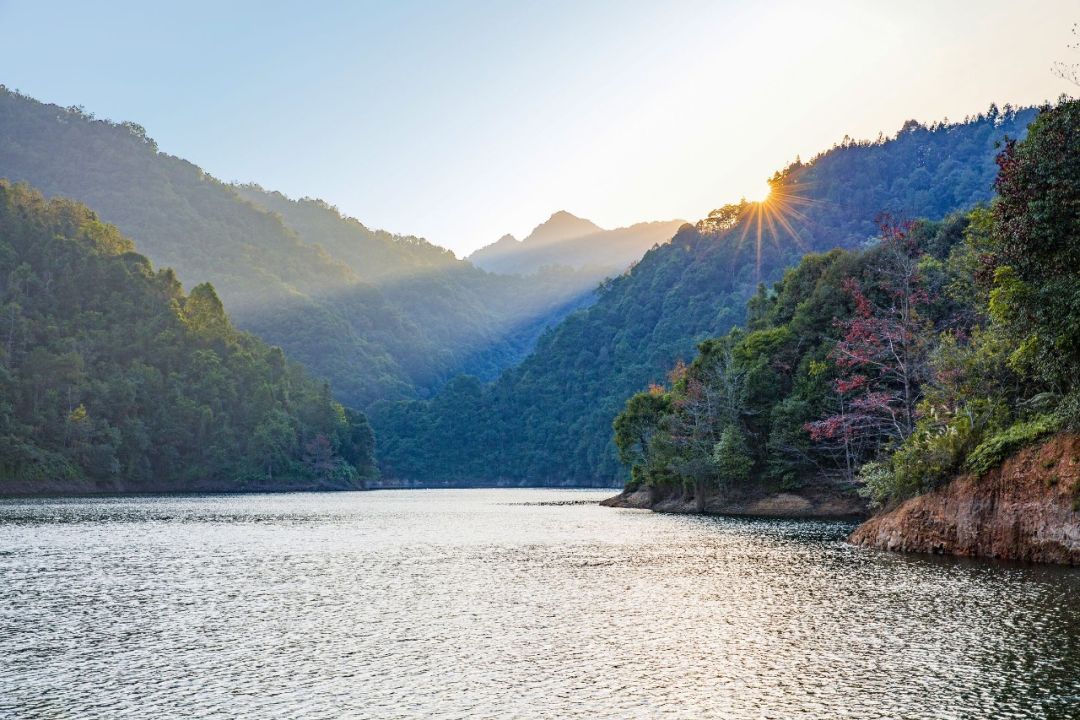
506 603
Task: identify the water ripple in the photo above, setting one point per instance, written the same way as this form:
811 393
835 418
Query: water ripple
506 604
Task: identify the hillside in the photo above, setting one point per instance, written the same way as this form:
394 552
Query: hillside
1025 509
451 317
932 374
379 315
112 379
549 419
569 241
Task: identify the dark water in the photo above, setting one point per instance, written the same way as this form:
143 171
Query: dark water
506 604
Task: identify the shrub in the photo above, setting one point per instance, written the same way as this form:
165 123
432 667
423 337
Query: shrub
992 451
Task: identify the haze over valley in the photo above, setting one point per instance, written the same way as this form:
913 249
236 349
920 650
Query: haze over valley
576 360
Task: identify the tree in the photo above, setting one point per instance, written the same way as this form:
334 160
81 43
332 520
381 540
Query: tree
883 356
1036 266
636 426
320 460
732 457
273 441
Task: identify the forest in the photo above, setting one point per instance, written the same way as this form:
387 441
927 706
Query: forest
378 315
112 378
548 420
942 348
473 377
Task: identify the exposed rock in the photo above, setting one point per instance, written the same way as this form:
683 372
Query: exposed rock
1026 509
811 501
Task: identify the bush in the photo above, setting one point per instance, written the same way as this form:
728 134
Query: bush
879 483
992 451
934 453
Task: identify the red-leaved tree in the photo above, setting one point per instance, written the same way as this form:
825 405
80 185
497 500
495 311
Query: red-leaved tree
882 358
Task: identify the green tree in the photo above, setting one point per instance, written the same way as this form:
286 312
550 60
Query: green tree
1036 295
732 457
636 426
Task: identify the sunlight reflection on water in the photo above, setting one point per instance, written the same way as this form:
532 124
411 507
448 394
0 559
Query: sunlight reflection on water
506 603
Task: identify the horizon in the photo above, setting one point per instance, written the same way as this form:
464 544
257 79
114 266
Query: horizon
455 177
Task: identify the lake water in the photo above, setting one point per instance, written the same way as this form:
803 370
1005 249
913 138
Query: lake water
506 604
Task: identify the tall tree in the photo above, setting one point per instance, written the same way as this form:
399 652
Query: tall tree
1036 266
883 356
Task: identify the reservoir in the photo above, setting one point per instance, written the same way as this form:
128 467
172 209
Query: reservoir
506 603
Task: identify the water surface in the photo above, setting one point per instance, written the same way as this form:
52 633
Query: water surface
506 604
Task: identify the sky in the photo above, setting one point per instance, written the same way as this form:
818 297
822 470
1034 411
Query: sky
461 121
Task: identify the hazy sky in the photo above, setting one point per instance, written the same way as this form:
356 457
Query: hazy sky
461 121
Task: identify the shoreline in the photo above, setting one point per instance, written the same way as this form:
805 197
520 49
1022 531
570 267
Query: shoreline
816 501
1027 509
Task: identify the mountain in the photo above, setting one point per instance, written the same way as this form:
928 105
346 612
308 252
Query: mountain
548 420
561 226
112 379
379 315
450 316
570 241
909 373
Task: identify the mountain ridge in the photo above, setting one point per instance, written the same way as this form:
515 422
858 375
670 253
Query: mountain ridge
565 239
553 412
373 312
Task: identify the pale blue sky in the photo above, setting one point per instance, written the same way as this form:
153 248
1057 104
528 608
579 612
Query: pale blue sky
461 121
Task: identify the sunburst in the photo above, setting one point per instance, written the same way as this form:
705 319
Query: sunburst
777 212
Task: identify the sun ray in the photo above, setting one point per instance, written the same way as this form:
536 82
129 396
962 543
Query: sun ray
776 214
758 244
795 213
791 230
772 230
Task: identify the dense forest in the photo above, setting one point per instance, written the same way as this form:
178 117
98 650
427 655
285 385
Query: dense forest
548 420
112 379
378 315
942 348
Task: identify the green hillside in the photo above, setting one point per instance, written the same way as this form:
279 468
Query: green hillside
548 420
112 379
378 315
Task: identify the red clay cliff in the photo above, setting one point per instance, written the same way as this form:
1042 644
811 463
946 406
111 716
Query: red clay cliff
1026 509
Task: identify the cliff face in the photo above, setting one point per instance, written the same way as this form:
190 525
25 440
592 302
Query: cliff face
1026 509
813 501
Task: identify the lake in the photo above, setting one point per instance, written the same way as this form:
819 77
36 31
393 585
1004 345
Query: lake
506 604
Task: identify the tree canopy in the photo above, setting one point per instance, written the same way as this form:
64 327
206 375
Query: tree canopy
939 349
113 379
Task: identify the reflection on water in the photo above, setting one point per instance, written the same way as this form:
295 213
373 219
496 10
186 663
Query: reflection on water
506 603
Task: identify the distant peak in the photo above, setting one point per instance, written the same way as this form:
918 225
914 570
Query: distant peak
562 225
506 244
563 215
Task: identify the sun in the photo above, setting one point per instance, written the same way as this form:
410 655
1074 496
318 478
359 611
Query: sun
761 195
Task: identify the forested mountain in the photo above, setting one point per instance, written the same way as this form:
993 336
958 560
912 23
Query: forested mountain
112 379
569 241
943 348
451 315
379 315
549 419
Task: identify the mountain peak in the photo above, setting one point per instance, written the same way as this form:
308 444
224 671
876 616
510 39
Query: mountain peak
562 225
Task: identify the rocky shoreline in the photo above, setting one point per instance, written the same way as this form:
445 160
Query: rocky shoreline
814 501
1027 509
